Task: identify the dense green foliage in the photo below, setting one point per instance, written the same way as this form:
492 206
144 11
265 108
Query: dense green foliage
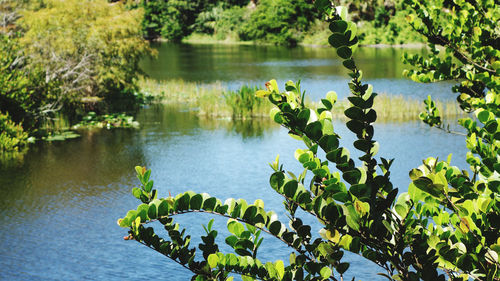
278 21
447 224
61 59
172 19
274 21
24 93
12 136
271 21
95 56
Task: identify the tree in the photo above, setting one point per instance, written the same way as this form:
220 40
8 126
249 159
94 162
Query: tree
171 19
278 21
25 96
93 58
447 224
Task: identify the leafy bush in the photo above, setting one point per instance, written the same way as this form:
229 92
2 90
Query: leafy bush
393 31
94 56
446 224
24 93
278 21
229 22
12 135
172 20
155 17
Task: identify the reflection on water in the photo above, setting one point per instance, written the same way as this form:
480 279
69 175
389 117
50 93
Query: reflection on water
59 206
319 69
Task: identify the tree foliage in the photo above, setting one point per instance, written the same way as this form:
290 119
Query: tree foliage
24 93
278 21
171 19
94 56
12 135
446 225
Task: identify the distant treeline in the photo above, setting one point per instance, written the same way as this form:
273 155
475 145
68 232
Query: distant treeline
282 22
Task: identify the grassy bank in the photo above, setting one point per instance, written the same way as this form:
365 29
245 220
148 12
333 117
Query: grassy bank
213 100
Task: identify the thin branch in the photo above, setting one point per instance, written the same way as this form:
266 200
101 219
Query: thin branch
238 219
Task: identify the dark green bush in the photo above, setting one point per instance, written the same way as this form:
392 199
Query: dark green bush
278 21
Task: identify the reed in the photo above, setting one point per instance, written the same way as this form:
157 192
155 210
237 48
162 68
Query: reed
178 91
214 101
398 108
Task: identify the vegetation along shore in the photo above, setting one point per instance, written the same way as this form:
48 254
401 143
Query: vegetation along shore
213 100
58 73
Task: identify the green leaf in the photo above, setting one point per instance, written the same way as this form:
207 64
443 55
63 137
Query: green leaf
344 52
152 211
314 130
401 210
426 184
338 26
231 240
277 179
342 267
209 204
329 142
349 64
415 174
328 105
275 228
235 227
352 216
250 213
139 171
325 272
137 192
195 202
352 176
280 268
148 186
146 176
337 40
355 113
182 203
276 115
355 126
341 196
342 12
213 260
332 97
484 116
163 208
290 188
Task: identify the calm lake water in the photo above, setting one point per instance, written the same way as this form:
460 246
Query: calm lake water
319 69
59 204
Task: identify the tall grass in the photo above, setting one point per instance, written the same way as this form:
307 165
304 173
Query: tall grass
210 100
213 100
397 108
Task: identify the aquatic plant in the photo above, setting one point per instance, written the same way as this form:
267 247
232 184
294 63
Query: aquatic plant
114 120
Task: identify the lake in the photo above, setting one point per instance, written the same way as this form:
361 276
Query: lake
60 202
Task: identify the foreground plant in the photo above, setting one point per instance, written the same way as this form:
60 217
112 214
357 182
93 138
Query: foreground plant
445 226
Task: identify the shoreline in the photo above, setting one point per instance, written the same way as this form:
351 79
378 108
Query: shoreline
202 39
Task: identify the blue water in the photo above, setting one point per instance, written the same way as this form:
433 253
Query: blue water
59 204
